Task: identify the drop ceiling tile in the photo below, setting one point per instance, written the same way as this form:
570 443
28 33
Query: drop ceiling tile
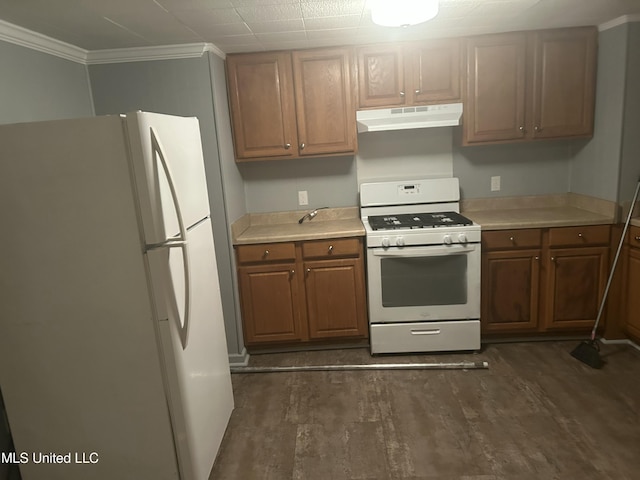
270 13
157 26
261 3
324 23
215 16
239 40
215 32
179 5
292 25
336 33
282 37
332 8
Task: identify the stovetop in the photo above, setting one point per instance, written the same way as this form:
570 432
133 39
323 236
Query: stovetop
417 220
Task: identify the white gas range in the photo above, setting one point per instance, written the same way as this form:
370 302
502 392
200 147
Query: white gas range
423 267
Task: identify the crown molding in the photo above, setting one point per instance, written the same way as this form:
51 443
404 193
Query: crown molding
36 41
141 54
619 21
23 37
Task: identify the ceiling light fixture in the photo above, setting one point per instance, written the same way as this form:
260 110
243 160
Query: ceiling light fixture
402 13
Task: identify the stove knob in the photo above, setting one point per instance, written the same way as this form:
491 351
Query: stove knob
385 242
400 241
446 239
462 238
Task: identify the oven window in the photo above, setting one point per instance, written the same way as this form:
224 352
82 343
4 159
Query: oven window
424 281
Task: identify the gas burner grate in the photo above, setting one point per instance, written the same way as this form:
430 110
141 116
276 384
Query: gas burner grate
418 220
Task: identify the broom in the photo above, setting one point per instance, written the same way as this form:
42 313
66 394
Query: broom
588 352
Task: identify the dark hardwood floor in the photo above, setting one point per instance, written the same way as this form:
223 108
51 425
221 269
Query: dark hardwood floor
536 413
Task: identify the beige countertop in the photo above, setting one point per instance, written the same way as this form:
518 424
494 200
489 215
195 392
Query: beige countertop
563 210
284 227
500 213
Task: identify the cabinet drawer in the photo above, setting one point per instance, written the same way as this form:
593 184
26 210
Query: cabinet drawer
501 239
266 252
634 236
343 247
579 236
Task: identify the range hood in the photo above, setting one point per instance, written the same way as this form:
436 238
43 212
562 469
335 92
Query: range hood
446 115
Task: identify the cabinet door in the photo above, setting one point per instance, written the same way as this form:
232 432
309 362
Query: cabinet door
381 76
564 82
270 303
496 88
633 287
434 72
262 105
324 101
576 279
510 286
336 305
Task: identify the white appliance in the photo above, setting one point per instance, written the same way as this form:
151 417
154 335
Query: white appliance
113 358
403 118
423 267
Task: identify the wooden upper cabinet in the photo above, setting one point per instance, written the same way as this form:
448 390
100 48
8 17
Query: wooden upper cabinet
409 74
324 101
381 76
530 85
292 104
434 71
496 88
564 82
262 105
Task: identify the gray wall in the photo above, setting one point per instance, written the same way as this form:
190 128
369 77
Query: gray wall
533 168
36 86
273 185
630 161
595 164
177 87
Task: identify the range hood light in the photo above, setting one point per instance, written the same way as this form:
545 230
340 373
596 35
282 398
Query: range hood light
402 13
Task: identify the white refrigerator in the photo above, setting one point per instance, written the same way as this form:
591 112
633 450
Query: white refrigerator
113 358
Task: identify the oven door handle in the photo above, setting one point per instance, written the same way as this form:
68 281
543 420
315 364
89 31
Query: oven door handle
428 251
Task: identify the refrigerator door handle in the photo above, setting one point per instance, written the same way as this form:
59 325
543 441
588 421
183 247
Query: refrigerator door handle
178 241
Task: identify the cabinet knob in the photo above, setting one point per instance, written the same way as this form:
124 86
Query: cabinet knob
417 92
553 259
513 240
580 235
330 248
266 253
402 94
293 271
521 128
287 146
537 128
637 239
536 258
308 270
302 145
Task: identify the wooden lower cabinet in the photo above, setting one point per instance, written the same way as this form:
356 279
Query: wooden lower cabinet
576 279
632 285
270 303
335 298
302 292
543 280
510 281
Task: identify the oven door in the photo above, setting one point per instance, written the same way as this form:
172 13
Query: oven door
425 283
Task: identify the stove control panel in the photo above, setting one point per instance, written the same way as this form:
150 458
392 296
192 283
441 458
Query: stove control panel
422 237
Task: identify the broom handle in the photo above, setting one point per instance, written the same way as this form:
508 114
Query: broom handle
615 261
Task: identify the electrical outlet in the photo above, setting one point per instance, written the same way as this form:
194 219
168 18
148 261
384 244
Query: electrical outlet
303 198
495 184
